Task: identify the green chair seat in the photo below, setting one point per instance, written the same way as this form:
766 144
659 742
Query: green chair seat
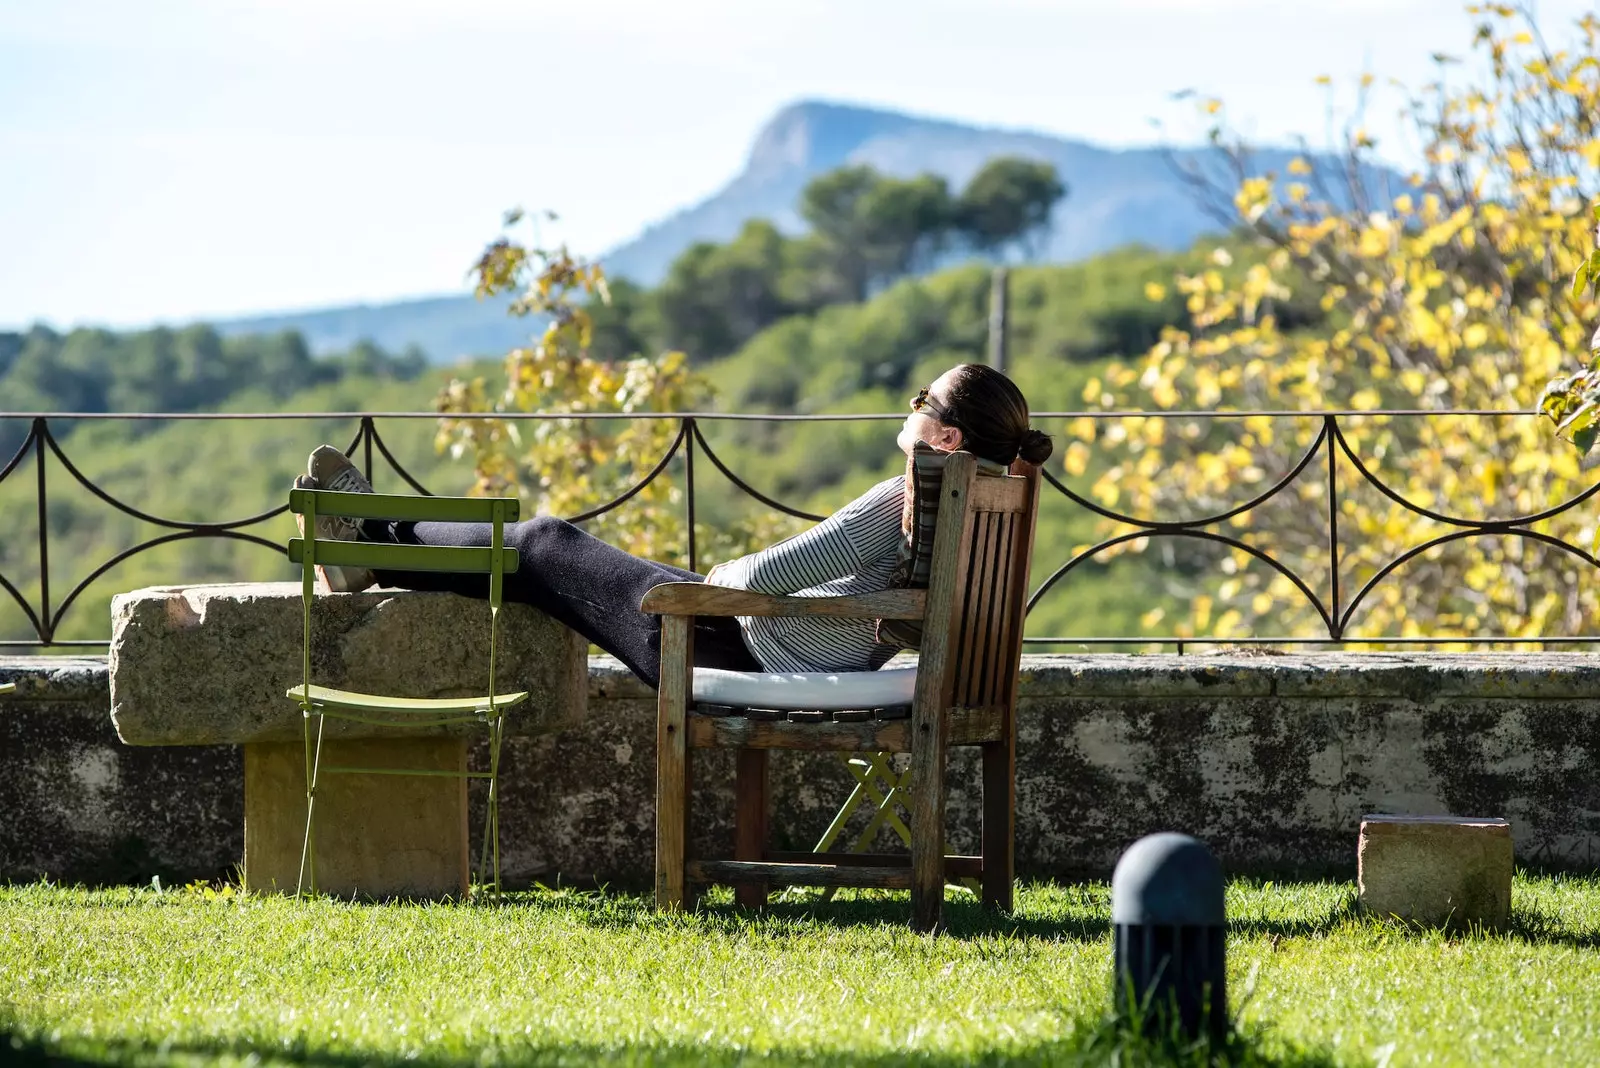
324 697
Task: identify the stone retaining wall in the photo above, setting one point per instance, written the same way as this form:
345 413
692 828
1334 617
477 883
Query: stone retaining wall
1270 759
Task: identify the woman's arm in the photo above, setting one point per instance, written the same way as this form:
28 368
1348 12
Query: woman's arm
865 529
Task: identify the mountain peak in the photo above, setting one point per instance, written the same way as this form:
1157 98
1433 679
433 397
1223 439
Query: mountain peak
817 135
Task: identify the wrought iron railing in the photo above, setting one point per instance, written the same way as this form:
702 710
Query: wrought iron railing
1322 592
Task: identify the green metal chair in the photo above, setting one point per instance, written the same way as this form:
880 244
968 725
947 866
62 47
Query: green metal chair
402 712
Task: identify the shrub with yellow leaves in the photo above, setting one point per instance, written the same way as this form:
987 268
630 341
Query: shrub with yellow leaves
1449 296
571 466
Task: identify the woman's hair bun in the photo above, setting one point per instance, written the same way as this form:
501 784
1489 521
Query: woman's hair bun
1036 447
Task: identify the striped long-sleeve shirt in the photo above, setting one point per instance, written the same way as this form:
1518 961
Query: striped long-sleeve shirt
853 551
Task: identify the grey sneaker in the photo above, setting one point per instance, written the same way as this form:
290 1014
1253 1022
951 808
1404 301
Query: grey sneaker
333 470
335 578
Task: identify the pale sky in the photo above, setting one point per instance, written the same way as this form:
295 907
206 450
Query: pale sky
162 160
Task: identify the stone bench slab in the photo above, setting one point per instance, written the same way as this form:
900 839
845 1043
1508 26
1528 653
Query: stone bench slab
210 664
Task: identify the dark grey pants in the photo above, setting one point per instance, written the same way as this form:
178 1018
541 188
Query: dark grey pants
577 579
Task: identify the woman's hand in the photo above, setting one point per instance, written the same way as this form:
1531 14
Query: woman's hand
711 576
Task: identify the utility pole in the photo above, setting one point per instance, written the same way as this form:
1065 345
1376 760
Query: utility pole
999 317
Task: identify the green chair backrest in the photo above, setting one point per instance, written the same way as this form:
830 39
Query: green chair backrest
496 560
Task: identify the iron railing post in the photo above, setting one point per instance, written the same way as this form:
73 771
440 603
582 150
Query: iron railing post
1335 624
688 494
46 627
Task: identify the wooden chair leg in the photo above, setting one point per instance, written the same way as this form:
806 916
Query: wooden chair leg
927 823
672 760
999 823
750 822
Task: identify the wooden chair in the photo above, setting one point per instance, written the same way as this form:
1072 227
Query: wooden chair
965 694
325 703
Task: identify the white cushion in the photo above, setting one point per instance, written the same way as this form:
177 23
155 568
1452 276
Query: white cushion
816 689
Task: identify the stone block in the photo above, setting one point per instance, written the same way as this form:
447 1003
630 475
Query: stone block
375 835
207 665
1436 871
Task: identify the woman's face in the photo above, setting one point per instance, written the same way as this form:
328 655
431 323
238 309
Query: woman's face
926 426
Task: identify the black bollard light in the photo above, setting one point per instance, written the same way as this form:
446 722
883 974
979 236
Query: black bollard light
1168 922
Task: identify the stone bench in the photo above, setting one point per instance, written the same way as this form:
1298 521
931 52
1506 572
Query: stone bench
209 665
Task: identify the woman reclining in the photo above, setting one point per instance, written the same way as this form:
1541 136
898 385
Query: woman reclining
595 588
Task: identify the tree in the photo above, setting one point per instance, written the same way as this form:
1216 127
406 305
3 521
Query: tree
627 325
716 297
1008 202
869 229
831 205
906 223
1452 292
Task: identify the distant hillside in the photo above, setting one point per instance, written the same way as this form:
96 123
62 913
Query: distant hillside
1118 198
444 328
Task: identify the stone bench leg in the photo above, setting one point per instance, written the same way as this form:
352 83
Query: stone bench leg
1436 870
376 835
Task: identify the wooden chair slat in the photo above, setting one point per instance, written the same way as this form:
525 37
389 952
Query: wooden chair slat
997 638
702 599
743 871
1007 494
964 622
979 595
963 726
956 866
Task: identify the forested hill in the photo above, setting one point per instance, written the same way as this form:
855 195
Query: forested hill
194 369
862 357
1115 198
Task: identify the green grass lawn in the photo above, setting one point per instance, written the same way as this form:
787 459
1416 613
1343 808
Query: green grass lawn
562 977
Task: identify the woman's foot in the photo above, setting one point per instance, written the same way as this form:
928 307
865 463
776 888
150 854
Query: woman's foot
336 578
333 470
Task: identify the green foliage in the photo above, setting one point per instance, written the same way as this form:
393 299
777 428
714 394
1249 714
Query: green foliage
1008 201
1573 401
870 228
716 297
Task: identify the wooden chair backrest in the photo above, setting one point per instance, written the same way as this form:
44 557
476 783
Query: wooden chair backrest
978 587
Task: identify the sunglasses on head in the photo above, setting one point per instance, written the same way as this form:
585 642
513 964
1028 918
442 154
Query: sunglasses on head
922 400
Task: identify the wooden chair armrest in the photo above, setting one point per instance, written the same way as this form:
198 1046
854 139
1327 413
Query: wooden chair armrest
702 599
